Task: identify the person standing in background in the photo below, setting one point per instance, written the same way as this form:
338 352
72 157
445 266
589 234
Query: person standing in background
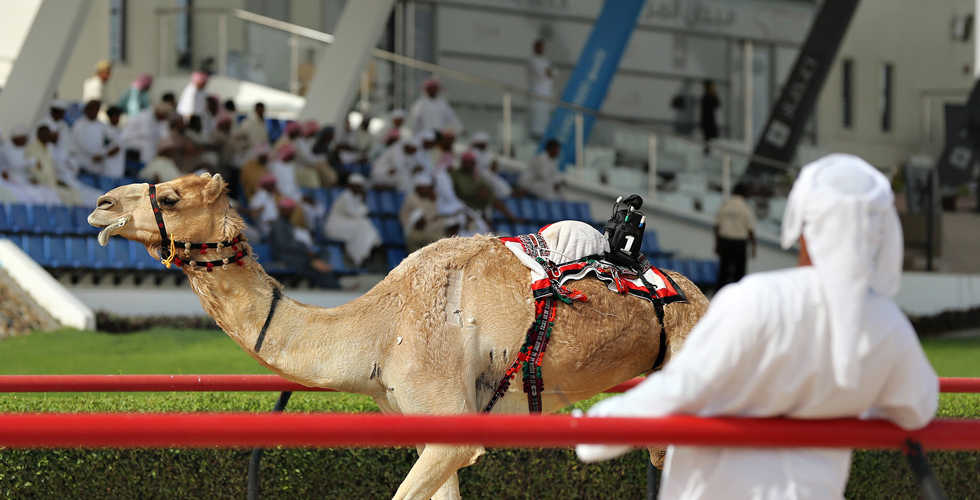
734 230
709 109
432 111
254 126
540 80
94 86
194 100
137 97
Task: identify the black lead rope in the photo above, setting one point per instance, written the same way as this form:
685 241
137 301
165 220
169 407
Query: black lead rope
276 296
158 215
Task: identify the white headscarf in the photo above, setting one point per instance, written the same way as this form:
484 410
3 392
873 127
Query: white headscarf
845 209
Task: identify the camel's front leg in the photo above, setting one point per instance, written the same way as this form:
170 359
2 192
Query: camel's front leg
434 474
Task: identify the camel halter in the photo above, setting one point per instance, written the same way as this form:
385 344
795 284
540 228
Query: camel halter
169 253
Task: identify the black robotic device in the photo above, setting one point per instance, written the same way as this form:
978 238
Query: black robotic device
624 230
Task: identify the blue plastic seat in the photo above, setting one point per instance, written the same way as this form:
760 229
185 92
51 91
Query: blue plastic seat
105 184
101 258
379 224
62 221
710 270
544 212
20 219
143 260
4 222
505 228
651 244
122 254
33 245
578 211
80 216
43 221
78 247
59 252
335 253
392 234
262 252
391 202
89 180
395 256
373 200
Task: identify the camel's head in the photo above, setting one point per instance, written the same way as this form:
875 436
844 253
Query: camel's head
194 209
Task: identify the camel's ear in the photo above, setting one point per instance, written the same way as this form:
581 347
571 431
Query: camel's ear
215 187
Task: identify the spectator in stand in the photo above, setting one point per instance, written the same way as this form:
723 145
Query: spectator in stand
541 177
16 170
263 205
209 119
443 157
194 100
285 171
57 124
114 165
64 159
709 108
145 129
296 253
432 112
232 147
348 221
92 141
94 87
230 108
46 173
734 231
254 126
169 98
475 192
201 142
419 214
307 160
486 165
186 153
427 140
254 169
162 168
351 146
396 121
540 80
137 97
396 166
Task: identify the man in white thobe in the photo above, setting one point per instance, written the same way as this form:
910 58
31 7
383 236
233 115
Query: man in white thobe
540 80
15 171
284 169
432 112
486 165
114 166
541 177
395 167
92 141
823 340
348 221
94 87
194 100
145 129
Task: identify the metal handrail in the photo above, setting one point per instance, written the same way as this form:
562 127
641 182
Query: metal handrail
482 82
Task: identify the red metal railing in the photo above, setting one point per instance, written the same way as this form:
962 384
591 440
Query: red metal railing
240 383
362 430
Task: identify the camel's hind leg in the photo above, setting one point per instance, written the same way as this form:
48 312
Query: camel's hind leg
434 474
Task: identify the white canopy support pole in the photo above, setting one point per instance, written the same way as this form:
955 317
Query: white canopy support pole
652 170
506 131
42 60
331 93
579 144
747 69
726 177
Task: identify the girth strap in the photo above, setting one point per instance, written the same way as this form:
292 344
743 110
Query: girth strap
276 296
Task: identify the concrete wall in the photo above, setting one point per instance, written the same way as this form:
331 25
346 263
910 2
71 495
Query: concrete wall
915 37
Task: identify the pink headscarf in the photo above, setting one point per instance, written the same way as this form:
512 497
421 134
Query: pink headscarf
311 127
199 78
143 81
259 150
431 83
392 136
468 156
286 203
293 127
267 180
285 151
223 117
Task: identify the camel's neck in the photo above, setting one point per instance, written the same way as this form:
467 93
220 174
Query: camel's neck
302 343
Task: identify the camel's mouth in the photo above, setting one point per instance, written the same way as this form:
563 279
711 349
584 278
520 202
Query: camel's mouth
107 230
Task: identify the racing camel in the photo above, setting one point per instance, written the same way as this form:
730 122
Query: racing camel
435 337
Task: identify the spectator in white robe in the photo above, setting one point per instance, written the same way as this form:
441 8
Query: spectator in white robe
396 121
354 144
162 168
15 171
194 100
284 169
427 141
348 221
541 178
326 176
394 169
57 124
114 165
254 126
64 159
486 166
46 171
431 111
263 203
209 119
540 80
145 129
823 340
94 87
92 141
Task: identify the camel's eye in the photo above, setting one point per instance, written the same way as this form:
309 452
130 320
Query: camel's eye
169 201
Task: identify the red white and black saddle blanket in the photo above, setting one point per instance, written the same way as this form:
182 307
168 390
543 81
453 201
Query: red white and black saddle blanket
570 251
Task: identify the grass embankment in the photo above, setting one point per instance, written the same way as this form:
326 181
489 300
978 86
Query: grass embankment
342 473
